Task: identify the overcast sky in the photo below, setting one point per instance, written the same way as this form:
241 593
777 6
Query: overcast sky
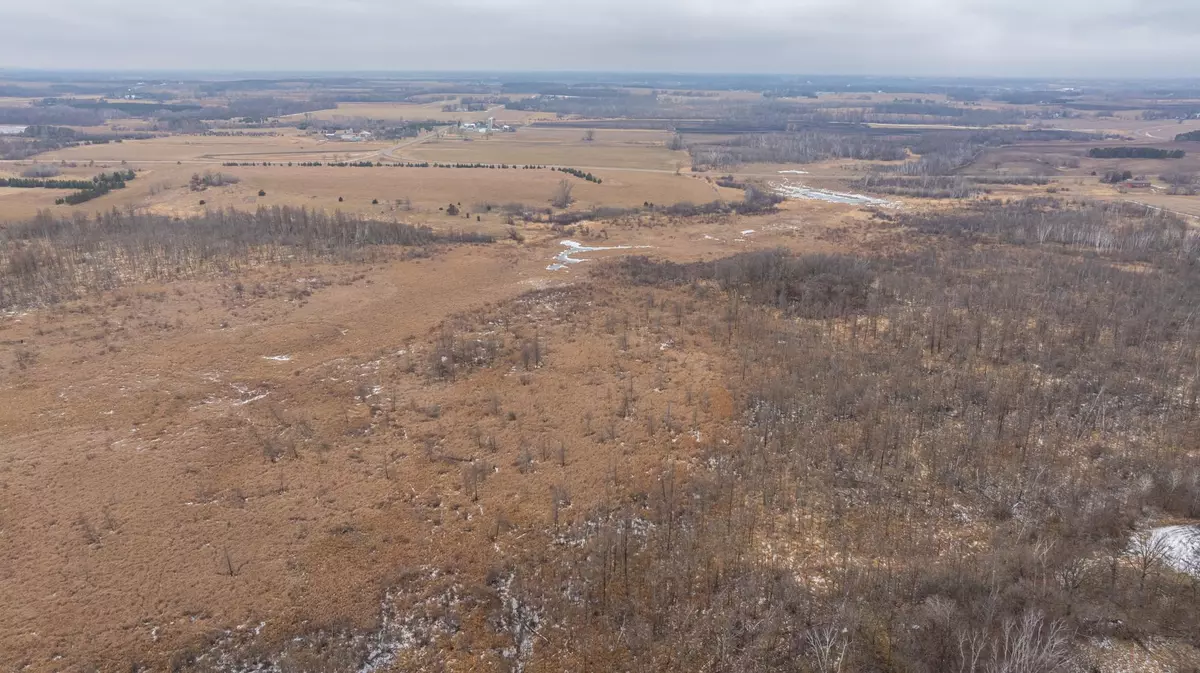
919 37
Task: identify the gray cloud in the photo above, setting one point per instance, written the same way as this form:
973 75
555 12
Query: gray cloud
949 37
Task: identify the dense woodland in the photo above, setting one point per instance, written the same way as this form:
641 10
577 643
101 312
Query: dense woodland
50 259
944 455
936 153
804 147
1134 153
775 112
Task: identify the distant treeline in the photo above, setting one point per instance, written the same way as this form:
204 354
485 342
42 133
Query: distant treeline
776 112
51 115
576 91
1033 98
940 152
1134 153
41 138
127 108
950 113
1189 136
594 103
790 92
93 112
783 148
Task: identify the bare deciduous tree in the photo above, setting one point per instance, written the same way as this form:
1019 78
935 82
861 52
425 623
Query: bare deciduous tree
562 194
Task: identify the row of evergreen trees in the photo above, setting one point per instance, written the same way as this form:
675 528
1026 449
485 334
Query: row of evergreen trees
99 186
40 183
581 175
86 190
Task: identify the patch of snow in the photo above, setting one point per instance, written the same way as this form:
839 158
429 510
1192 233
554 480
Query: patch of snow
278 358
403 625
1179 547
793 172
244 391
747 232
520 621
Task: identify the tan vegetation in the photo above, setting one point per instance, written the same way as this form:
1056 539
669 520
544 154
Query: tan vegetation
260 414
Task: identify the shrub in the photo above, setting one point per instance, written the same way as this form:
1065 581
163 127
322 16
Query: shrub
41 171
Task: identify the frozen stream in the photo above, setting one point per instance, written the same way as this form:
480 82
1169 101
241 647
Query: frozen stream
564 259
793 191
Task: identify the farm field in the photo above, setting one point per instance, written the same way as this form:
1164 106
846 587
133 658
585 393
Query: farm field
421 112
558 147
287 146
163 188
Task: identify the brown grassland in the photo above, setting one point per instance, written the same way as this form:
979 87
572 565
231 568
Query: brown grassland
662 424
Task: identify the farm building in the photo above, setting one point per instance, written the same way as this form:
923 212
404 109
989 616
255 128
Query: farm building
349 136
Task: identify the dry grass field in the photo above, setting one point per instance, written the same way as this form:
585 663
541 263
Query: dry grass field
343 457
285 145
148 421
635 165
163 188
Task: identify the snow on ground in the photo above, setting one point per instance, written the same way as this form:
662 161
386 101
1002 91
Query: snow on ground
807 193
278 358
563 259
793 172
407 621
1179 547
